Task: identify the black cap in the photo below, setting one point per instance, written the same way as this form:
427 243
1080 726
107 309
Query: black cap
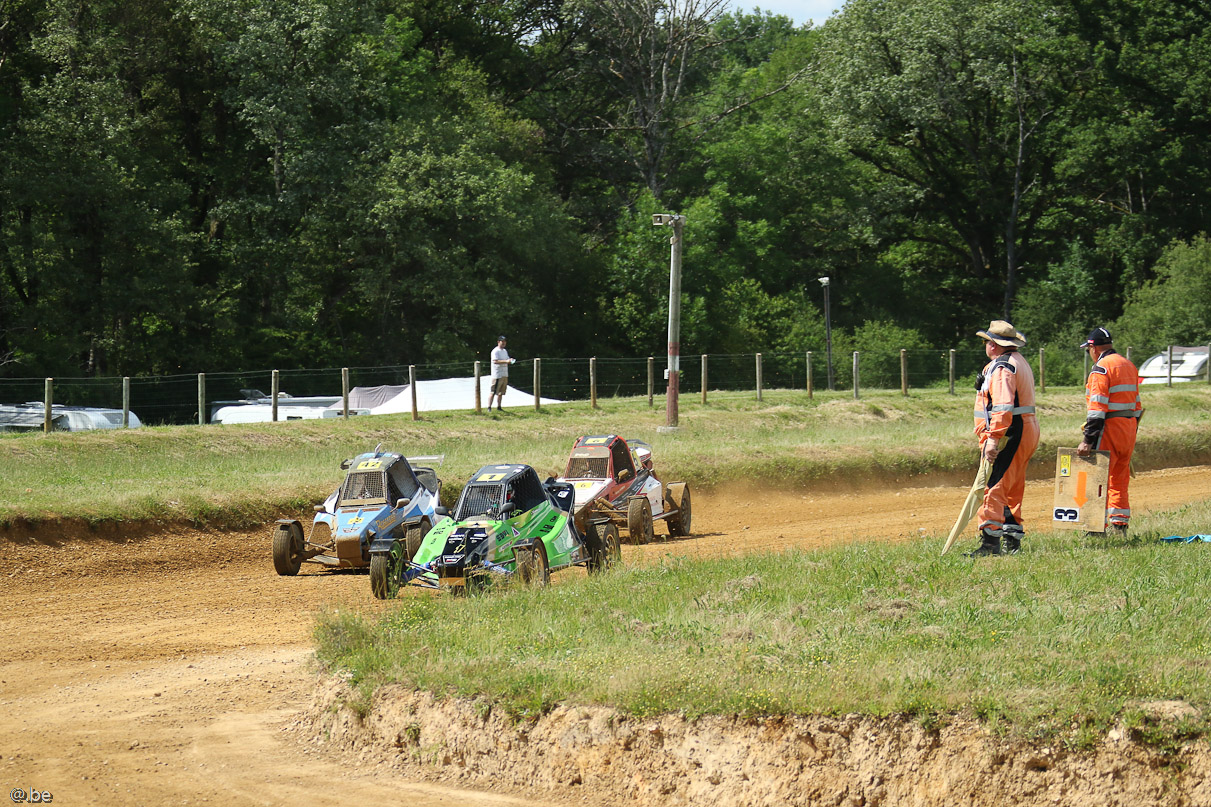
501 339
1098 336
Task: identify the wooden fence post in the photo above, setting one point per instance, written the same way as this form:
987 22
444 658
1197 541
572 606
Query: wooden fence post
202 418
1169 367
1042 371
810 386
759 377
904 372
412 389
273 386
651 380
125 402
855 375
48 396
593 382
478 395
952 372
704 369
537 384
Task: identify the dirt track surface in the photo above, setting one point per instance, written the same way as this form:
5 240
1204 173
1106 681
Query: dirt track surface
169 669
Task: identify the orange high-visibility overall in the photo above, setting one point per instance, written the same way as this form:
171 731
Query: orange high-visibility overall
1112 401
1005 412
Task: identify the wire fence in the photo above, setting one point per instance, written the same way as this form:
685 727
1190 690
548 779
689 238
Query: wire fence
177 399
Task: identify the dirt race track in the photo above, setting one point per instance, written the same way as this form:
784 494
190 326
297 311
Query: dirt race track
171 669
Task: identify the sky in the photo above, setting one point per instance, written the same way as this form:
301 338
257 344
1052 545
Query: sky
798 10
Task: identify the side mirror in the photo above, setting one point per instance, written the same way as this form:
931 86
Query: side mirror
402 503
441 511
319 508
345 464
624 475
505 509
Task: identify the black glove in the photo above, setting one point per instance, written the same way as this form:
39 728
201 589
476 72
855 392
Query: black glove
979 380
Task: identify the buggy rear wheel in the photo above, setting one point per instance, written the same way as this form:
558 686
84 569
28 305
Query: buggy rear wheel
385 572
287 549
604 550
679 522
532 565
415 537
639 520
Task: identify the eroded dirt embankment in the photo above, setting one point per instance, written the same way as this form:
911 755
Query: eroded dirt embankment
728 762
171 667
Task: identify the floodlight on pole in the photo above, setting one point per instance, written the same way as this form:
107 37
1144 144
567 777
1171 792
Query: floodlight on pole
828 330
673 373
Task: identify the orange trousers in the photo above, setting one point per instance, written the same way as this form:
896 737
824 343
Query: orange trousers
1001 511
1118 437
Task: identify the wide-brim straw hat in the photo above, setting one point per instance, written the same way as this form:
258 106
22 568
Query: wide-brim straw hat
1003 334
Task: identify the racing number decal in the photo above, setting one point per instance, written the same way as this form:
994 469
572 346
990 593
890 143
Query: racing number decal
595 441
356 520
584 485
1065 467
1066 514
369 465
490 477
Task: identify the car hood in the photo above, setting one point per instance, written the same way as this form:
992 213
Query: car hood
587 490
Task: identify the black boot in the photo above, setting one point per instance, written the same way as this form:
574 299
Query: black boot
1013 545
989 545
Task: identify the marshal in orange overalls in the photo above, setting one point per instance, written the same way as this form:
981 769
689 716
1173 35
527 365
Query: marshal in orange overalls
1112 404
1005 412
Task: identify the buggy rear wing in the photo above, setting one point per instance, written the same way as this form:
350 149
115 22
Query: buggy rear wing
427 458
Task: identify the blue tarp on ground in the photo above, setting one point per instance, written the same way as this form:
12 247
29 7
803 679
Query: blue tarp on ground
1187 539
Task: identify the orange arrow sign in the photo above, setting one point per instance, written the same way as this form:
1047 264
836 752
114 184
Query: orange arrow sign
1080 498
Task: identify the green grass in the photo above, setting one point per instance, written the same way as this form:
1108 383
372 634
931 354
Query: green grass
232 476
1053 645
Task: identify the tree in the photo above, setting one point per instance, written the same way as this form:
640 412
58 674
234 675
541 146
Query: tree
1175 308
959 105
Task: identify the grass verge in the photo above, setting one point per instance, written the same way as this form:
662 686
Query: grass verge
1056 644
239 476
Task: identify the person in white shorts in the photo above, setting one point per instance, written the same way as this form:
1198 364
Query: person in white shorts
500 374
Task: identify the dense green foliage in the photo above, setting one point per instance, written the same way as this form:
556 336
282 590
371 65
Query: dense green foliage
213 185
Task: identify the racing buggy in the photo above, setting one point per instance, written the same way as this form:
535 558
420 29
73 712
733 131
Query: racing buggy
507 525
617 488
383 509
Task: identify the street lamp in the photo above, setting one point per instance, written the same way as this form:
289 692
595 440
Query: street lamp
674 370
828 331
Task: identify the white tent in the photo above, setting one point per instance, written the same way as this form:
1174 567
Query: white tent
438 395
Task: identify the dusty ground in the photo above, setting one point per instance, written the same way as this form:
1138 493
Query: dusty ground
172 668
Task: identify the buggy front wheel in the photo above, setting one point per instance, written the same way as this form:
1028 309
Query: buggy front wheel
532 565
386 571
287 549
639 520
679 522
415 537
605 551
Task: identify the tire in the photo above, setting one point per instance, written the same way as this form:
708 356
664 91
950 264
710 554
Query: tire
532 566
287 550
414 538
679 524
385 572
604 549
639 520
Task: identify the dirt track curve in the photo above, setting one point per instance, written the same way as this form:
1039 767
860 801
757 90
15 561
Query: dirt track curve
170 669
